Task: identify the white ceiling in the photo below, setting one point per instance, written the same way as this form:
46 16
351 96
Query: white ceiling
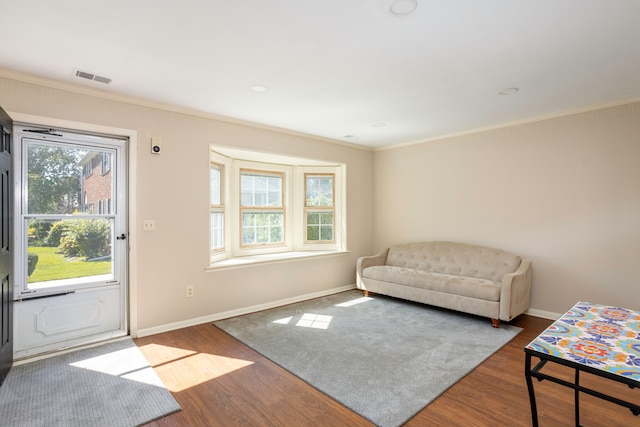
348 70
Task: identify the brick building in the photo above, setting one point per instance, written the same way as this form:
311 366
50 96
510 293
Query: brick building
96 183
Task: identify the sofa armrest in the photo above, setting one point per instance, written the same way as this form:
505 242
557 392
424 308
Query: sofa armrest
516 292
368 261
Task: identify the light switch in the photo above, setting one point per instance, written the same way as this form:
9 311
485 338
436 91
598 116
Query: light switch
148 225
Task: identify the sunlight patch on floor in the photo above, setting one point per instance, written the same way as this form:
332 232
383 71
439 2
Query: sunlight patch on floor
317 321
284 320
128 363
308 320
181 369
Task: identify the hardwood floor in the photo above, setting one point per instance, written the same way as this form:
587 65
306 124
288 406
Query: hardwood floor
219 381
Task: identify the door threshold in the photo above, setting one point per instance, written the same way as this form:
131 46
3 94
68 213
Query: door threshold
35 357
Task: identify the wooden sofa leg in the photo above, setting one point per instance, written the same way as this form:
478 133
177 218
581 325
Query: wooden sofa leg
495 323
367 293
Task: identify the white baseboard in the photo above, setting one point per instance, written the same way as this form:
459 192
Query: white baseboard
543 314
254 308
238 312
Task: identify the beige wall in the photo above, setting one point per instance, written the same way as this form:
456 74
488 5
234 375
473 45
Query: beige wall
563 192
172 188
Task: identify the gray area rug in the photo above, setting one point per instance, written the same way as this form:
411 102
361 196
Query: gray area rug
384 358
109 385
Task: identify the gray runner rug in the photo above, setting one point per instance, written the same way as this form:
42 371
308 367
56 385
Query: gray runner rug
383 358
108 385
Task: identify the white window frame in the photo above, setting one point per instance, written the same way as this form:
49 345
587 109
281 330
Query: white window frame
293 171
219 207
117 146
235 210
220 253
339 229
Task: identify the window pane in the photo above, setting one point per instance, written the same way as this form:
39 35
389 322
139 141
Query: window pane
262 227
319 226
106 163
69 251
326 233
260 189
319 190
217 230
312 232
58 175
215 185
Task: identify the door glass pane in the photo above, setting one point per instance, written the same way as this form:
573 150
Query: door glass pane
69 220
63 180
69 251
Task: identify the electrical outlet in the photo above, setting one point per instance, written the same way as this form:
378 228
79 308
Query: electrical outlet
148 225
189 291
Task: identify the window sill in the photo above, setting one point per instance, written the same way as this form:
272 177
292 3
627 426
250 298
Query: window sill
247 261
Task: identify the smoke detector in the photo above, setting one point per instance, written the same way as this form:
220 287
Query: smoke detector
90 76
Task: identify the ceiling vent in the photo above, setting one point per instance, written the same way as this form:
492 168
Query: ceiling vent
91 76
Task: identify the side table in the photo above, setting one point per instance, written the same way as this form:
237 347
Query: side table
593 338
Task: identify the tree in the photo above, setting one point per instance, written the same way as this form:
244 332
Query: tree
54 175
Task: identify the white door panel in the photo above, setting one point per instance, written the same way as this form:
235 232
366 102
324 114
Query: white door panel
55 322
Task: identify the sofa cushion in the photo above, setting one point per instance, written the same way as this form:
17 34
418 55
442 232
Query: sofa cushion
458 259
459 285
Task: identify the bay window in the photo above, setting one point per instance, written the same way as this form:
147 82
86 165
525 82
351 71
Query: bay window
268 205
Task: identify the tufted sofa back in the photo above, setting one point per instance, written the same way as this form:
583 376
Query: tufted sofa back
459 259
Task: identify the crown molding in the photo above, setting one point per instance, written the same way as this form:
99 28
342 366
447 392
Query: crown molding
540 118
118 97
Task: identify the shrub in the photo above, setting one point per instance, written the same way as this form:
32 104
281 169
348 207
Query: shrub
69 246
89 238
56 232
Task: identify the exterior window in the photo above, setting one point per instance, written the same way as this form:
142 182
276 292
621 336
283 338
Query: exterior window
319 207
217 207
105 165
261 208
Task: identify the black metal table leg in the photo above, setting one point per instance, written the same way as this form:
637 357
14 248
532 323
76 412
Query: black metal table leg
532 396
576 391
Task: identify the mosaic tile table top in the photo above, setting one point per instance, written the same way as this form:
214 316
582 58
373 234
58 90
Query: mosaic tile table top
601 337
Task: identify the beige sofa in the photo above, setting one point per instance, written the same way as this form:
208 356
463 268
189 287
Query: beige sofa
469 278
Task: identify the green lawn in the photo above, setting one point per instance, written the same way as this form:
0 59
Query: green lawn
53 266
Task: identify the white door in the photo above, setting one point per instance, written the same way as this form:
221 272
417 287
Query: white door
71 247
